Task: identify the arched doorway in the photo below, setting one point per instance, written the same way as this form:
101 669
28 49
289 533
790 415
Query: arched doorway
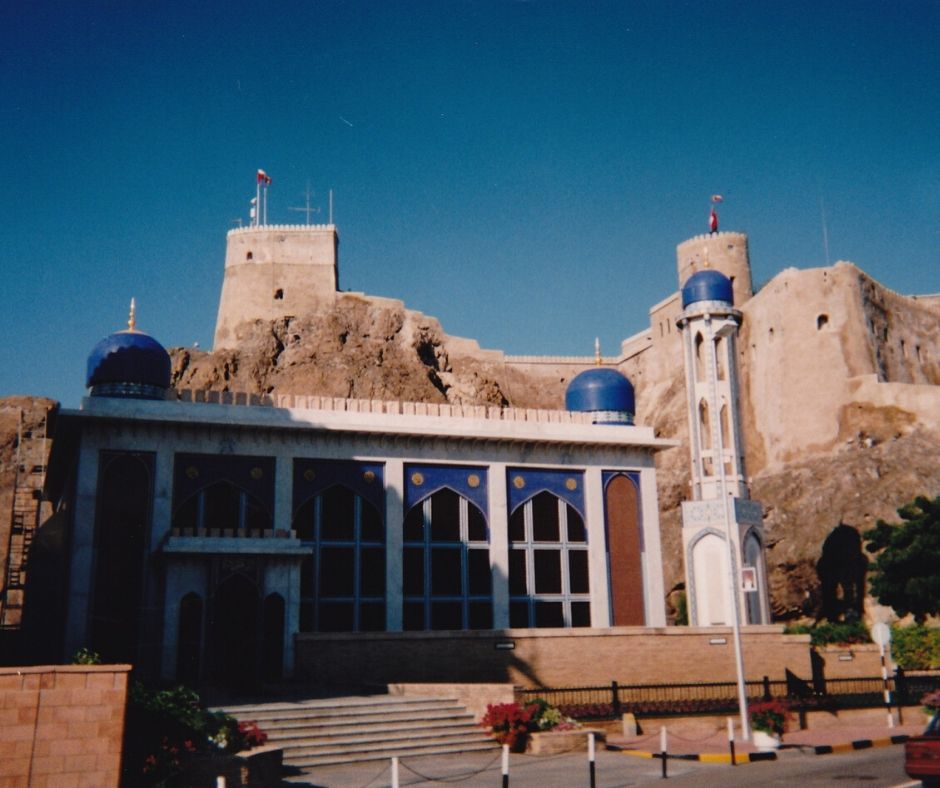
233 632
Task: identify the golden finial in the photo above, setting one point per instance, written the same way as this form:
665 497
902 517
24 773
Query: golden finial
597 352
705 263
132 319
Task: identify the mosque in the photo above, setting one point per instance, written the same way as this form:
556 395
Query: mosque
233 538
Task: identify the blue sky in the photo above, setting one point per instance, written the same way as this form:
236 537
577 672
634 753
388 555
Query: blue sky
521 170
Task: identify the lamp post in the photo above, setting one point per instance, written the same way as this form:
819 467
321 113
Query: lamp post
726 329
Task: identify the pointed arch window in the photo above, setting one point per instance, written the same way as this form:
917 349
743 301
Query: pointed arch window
549 582
342 581
223 506
446 565
699 357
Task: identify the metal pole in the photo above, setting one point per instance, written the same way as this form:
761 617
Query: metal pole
505 766
731 740
591 771
662 749
884 681
395 783
719 460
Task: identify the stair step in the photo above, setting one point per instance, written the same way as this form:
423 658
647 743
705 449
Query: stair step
289 727
364 728
371 737
381 755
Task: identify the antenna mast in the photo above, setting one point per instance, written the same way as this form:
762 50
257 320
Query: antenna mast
306 209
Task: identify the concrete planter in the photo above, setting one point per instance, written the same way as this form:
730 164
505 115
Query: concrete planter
765 742
555 742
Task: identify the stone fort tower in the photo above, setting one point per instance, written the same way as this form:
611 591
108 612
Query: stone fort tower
275 270
723 252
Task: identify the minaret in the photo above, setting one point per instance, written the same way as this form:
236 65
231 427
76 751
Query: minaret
720 508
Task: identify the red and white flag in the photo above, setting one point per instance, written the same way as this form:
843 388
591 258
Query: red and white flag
264 178
713 222
717 198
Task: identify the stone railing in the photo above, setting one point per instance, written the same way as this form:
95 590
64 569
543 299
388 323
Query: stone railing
389 407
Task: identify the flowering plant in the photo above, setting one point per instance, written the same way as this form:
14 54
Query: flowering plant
508 722
770 716
931 702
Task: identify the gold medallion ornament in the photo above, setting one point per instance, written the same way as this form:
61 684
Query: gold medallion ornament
417 479
473 480
310 474
256 473
192 472
571 484
518 482
368 477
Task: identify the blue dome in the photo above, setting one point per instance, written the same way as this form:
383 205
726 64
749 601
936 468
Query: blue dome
707 285
603 391
129 364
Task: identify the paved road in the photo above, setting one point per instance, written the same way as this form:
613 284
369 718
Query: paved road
879 768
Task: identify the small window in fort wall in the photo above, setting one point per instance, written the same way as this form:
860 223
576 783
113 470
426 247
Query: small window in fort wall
770 335
249 256
279 294
821 322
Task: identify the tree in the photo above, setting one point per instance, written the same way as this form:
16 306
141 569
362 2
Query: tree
906 571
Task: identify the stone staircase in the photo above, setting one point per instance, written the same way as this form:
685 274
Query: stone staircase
327 731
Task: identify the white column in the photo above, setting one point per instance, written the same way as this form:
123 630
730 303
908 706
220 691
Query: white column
82 569
499 543
394 521
286 575
597 546
654 592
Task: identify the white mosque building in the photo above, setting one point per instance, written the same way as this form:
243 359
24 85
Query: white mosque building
205 535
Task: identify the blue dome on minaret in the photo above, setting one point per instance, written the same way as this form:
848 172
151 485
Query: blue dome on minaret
129 364
604 392
707 285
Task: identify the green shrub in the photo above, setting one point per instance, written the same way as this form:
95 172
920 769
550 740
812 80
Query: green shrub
916 647
167 727
828 632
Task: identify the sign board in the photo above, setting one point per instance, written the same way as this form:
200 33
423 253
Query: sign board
881 634
748 578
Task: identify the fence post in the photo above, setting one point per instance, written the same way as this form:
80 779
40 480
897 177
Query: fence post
767 695
615 694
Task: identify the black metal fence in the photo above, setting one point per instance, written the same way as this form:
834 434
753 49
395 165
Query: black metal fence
612 700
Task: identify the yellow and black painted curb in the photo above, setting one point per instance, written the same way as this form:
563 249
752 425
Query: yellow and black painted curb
859 744
754 757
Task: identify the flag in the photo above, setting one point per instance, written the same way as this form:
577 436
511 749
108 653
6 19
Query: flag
713 222
717 198
264 178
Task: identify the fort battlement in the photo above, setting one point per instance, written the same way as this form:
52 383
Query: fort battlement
281 228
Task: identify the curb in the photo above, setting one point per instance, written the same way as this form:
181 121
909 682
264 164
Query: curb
754 757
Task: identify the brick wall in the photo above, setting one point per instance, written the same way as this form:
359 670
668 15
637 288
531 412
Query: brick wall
551 657
62 725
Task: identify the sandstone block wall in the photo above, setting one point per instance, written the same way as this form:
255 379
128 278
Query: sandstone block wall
551 658
62 725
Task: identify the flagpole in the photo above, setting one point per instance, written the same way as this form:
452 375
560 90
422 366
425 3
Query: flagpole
265 202
257 201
